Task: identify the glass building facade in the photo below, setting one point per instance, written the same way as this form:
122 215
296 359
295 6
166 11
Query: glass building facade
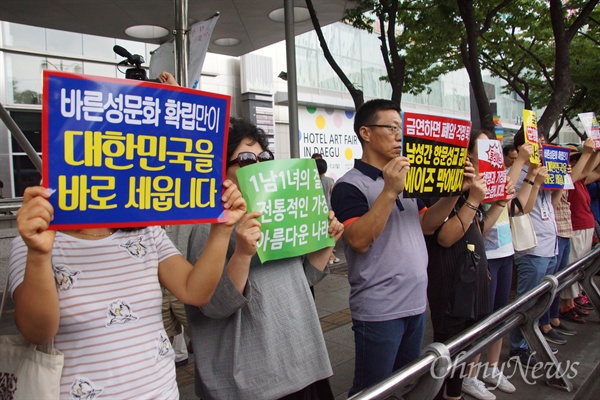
26 50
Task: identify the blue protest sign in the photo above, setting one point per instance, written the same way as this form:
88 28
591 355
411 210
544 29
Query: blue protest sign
556 159
127 153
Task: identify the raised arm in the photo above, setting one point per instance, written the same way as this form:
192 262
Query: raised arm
456 227
37 313
586 163
542 172
437 213
491 215
361 233
525 151
525 192
247 235
166 78
592 176
196 284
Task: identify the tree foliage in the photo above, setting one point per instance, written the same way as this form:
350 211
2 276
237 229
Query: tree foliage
533 55
545 50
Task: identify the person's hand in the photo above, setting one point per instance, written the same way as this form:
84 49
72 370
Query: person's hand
33 220
469 175
533 171
167 78
233 202
477 190
336 228
569 169
509 188
525 151
394 174
589 146
541 175
247 233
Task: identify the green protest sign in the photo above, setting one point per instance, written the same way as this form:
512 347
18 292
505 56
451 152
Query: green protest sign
289 195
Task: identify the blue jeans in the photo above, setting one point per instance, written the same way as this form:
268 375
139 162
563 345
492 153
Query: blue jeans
562 261
501 273
530 271
383 347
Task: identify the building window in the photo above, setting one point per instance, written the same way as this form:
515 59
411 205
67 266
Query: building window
64 42
23 78
23 37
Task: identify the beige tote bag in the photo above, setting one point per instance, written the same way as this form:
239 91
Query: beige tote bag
521 227
28 371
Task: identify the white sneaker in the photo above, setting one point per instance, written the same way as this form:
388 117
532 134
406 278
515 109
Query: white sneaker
497 380
477 389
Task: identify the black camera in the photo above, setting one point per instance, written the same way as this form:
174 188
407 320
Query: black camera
135 61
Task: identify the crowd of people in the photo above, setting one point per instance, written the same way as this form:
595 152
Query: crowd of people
112 299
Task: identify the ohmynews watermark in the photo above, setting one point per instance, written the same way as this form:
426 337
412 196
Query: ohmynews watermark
530 372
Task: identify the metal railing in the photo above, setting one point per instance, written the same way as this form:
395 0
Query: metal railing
423 378
9 208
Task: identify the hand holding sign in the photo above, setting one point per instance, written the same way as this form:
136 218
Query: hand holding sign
33 220
247 234
525 151
394 174
478 190
233 202
542 173
510 188
336 228
469 172
589 146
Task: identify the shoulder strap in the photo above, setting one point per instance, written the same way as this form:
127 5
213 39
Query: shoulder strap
515 203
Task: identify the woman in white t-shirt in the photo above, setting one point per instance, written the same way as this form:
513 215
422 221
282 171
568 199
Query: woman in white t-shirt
96 293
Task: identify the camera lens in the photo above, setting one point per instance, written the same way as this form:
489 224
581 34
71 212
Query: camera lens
136 73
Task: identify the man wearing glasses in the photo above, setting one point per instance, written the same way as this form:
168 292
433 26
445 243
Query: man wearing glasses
385 247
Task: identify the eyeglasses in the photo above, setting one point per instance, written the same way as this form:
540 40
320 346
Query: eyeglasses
247 158
391 129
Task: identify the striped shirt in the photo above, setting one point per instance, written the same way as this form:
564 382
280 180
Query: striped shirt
111 330
563 216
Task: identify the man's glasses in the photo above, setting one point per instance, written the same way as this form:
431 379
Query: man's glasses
247 158
391 129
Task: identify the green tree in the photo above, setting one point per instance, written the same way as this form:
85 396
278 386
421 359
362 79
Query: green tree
533 56
526 43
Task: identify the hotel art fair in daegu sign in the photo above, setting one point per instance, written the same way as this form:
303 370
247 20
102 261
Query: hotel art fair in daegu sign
127 153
